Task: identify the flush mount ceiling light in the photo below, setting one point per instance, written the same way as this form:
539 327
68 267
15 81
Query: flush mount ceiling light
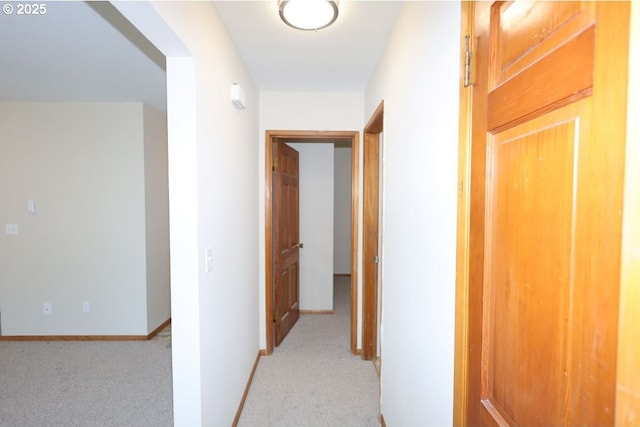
308 15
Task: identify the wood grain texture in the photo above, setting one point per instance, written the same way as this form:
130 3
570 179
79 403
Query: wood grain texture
370 232
355 215
599 222
270 138
556 80
528 288
370 201
480 37
524 32
376 121
461 362
545 226
286 238
628 374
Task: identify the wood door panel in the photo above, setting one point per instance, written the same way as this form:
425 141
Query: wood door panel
287 289
529 259
547 147
371 201
525 31
286 238
560 78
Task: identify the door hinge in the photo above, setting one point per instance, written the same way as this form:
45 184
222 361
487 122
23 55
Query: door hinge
276 314
274 164
467 61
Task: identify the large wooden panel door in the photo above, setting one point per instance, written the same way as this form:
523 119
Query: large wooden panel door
286 240
547 165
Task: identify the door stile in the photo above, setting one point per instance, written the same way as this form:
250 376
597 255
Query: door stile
461 357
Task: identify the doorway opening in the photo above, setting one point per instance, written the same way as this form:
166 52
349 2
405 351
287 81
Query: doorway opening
311 137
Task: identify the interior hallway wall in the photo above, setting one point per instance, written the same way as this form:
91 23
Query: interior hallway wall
213 153
92 170
316 225
342 211
418 79
156 185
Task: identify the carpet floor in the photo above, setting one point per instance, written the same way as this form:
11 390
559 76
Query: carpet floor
312 379
86 383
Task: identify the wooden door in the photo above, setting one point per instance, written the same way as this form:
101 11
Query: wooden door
547 162
370 255
370 233
286 240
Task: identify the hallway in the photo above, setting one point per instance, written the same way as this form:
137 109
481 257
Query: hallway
312 379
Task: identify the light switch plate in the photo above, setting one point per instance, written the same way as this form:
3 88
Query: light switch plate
208 260
11 229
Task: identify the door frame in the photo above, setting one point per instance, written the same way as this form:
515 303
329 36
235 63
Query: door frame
461 344
372 131
309 136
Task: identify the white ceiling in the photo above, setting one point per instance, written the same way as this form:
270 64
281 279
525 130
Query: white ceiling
81 51
72 53
340 58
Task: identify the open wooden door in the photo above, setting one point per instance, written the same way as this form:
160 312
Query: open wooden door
286 251
547 165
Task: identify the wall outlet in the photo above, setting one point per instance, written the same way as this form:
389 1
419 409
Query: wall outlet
47 310
86 307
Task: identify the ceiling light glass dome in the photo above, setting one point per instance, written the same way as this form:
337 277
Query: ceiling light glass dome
308 15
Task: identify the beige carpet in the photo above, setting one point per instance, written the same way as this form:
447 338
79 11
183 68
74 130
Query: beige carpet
312 379
67 384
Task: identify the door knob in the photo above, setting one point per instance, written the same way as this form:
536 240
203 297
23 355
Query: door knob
300 245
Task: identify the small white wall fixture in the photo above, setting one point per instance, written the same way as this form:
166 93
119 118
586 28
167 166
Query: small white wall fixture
238 97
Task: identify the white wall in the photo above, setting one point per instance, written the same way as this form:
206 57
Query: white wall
316 225
84 165
418 80
213 157
342 211
299 111
156 184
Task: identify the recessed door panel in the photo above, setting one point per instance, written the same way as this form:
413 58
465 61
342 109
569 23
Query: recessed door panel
525 31
529 290
547 168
